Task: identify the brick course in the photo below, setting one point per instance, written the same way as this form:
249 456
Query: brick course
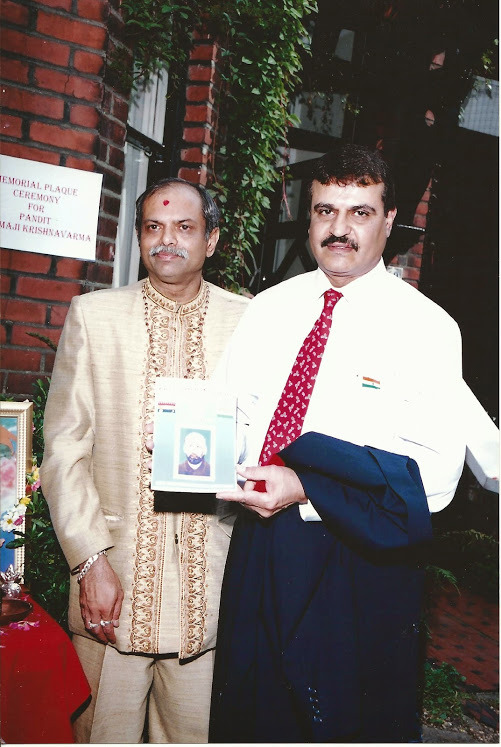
47 289
27 262
71 85
11 126
57 315
59 4
24 100
85 116
15 310
94 10
69 139
14 70
70 268
20 360
33 47
71 30
14 13
88 62
74 162
22 335
28 151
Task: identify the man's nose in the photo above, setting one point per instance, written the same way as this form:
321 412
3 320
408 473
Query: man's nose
340 225
168 236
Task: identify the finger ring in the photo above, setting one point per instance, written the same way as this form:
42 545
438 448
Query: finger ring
92 625
105 622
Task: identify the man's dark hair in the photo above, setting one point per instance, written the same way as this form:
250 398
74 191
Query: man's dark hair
209 208
355 164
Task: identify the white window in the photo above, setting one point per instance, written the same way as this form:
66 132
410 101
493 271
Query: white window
146 124
481 108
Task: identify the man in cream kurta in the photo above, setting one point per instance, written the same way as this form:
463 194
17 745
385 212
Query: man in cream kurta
145 615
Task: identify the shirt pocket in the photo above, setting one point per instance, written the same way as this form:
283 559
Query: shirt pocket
373 408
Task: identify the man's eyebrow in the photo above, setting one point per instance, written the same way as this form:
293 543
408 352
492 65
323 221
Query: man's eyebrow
323 205
180 220
354 208
367 208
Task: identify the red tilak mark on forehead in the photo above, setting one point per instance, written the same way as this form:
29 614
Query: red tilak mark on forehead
166 202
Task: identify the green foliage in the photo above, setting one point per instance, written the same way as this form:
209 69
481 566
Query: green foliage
40 392
473 557
46 569
442 697
490 60
160 35
440 577
46 340
261 42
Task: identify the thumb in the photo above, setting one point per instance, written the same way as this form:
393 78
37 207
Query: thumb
253 473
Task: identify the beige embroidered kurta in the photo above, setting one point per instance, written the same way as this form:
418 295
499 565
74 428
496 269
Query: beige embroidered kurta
95 475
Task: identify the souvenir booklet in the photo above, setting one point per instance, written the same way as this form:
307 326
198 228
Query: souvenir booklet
194 437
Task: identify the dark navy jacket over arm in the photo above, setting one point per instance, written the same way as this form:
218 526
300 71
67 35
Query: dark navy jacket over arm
365 494
319 621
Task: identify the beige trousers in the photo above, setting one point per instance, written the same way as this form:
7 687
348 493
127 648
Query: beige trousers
131 691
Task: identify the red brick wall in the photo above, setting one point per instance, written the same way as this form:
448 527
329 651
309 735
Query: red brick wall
202 111
411 261
63 106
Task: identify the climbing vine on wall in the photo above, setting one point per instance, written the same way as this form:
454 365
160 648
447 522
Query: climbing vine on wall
262 42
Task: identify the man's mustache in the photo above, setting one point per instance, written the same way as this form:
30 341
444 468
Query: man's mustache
333 239
176 251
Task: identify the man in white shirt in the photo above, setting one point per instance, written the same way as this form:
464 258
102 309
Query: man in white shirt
320 608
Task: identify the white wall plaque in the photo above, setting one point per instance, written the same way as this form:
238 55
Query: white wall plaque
48 209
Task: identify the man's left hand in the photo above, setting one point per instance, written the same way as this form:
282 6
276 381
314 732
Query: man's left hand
282 489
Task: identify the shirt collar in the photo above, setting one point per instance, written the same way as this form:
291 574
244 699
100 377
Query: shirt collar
183 308
362 286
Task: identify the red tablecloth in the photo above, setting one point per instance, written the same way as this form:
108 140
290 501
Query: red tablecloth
43 683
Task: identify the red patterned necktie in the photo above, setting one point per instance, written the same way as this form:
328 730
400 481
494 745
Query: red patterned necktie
287 421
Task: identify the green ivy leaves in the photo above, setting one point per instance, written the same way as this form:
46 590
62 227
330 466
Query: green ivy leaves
261 45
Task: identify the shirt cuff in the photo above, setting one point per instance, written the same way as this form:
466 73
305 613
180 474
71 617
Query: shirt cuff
308 513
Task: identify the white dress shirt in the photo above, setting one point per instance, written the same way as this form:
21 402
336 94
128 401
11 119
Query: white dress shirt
390 374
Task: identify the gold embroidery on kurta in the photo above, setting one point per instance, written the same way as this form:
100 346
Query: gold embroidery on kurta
175 349
193 596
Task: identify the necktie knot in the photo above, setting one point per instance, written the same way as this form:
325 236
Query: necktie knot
331 297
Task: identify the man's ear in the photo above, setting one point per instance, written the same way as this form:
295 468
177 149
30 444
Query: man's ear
390 217
212 242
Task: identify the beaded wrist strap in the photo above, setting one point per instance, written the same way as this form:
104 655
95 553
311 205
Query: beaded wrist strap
88 564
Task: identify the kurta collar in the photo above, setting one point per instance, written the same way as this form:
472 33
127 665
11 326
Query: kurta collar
365 285
174 306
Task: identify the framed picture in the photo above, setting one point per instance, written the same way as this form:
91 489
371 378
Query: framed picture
16 459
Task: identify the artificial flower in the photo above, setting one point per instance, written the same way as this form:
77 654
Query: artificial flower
24 625
33 478
13 517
